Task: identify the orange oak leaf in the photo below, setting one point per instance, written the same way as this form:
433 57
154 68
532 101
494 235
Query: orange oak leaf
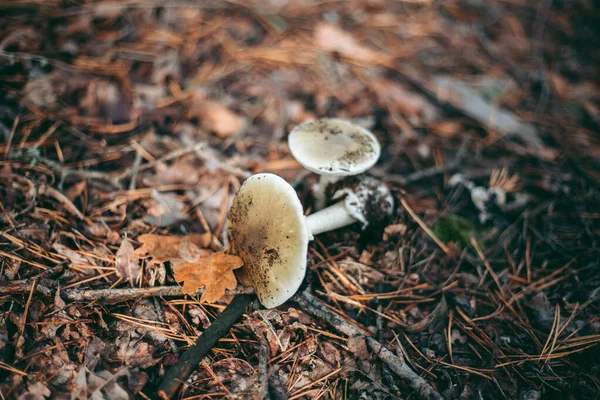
213 271
166 248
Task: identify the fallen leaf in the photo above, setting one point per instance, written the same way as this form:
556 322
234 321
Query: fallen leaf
189 252
166 248
213 271
72 255
180 172
105 100
164 209
216 117
127 267
358 346
448 128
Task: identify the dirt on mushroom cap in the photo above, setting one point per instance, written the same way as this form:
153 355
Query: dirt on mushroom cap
268 231
334 146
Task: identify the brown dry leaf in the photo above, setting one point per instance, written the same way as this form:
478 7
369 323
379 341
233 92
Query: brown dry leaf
332 38
216 117
448 128
127 266
358 346
105 100
166 248
164 209
72 255
180 172
213 271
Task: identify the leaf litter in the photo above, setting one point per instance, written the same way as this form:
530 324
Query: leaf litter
127 129
213 271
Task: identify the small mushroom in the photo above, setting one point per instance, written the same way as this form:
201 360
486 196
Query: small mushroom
365 200
483 198
333 148
268 230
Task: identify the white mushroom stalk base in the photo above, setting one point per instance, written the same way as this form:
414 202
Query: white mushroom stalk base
318 189
330 218
368 193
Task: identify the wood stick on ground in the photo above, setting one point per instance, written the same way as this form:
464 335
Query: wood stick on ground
133 293
427 173
62 199
179 372
397 364
109 294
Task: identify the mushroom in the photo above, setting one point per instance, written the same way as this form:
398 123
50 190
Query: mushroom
268 230
333 148
483 198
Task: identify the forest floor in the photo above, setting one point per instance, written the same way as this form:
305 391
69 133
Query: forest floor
131 118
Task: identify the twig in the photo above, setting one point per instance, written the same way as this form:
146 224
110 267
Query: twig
12 56
167 157
433 171
107 294
397 364
133 293
31 156
11 135
135 169
20 340
261 392
419 221
263 371
25 285
179 372
277 384
161 317
386 372
62 199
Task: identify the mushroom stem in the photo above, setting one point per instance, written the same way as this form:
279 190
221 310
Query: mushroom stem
318 189
330 218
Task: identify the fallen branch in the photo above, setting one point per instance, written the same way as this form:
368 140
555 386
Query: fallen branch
427 173
396 363
189 361
133 293
109 294
473 105
62 199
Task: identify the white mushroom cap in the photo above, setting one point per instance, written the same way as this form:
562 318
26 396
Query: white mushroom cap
331 146
268 230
